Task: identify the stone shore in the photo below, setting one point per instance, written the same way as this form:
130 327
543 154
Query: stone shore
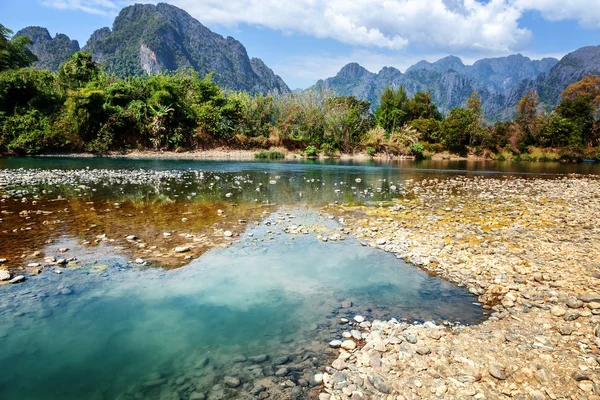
529 248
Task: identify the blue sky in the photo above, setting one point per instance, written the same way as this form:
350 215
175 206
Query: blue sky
311 39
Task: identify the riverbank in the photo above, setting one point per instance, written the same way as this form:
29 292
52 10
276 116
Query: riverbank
529 248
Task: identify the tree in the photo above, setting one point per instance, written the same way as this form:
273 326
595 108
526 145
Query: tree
346 118
528 120
587 88
14 52
78 71
392 113
422 107
458 128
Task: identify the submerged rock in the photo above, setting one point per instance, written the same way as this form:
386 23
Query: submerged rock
232 381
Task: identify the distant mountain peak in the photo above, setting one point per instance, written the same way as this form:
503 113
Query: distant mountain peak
51 52
352 70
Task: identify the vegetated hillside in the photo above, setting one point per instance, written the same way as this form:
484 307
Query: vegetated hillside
147 39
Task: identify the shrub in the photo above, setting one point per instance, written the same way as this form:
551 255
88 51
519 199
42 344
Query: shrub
370 151
270 155
418 149
311 151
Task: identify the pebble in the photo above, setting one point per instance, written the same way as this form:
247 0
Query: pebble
181 249
558 311
359 318
334 344
227 234
4 275
232 381
348 345
497 373
17 279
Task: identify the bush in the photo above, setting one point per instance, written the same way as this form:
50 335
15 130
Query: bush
417 150
270 155
370 151
311 151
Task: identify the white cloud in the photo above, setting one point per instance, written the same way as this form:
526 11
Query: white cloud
100 7
586 12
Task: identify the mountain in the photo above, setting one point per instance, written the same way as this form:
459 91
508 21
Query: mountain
50 52
147 39
500 82
449 88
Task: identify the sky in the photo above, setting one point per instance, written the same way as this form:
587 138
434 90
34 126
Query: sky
307 40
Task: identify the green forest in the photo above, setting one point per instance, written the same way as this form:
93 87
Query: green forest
83 108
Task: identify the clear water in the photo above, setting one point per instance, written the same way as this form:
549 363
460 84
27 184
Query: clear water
114 330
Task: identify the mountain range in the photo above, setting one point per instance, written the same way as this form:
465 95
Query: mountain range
500 82
147 39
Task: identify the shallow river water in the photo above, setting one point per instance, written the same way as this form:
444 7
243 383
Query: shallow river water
260 312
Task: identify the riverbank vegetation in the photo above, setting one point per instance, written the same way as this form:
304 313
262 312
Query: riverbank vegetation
82 108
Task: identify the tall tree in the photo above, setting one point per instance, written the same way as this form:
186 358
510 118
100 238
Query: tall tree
14 52
527 119
392 113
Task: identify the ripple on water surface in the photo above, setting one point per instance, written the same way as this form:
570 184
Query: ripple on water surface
124 332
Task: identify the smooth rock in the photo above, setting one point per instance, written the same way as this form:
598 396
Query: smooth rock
379 383
259 359
571 316
497 373
232 381
348 344
558 311
4 275
589 298
181 249
17 279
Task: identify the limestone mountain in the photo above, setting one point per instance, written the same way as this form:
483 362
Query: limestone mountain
147 39
500 82
51 52
570 69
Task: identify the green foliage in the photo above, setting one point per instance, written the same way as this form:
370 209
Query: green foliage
311 151
271 155
458 128
78 71
370 151
346 119
14 52
417 149
393 111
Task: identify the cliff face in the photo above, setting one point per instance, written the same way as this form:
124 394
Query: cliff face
147 39
51 52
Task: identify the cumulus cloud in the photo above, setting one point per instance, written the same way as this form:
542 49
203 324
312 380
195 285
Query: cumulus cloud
586 12
452 25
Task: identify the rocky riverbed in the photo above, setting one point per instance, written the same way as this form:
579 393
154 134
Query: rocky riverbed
529 248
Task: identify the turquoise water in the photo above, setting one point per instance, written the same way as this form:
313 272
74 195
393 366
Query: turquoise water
111 333
116 330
